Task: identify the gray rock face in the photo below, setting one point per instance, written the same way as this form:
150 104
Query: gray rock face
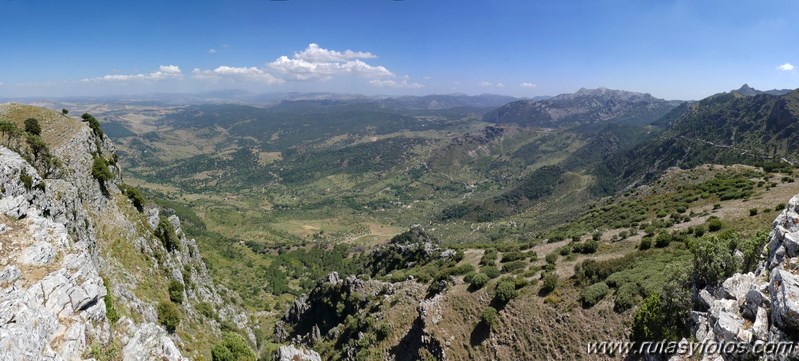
293 353
762 306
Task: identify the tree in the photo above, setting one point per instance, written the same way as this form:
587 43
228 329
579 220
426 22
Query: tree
64 111
8 130
489 317
94 124
135 196
505 291
100 170
166 233
32 126
37 145
714 261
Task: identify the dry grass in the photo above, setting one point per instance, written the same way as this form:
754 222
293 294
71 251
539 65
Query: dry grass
57 128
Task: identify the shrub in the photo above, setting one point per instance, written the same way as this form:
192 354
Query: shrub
550 282
752 212
591 295
489 257
552 258
168 316
713 261
626 297
64 111
110 311
166 233
176 291
779 207
233 347
512 256
489 317
94 124
135 196
646 243
383 330
713 224
587 247
479 280
100 170
469 277
26 179
699 231
207 310
663 239
505 291
490 271
32 126
513 266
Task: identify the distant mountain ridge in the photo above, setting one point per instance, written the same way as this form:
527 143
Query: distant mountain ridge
749 91
586 106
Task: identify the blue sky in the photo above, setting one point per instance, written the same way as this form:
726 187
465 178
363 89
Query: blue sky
671 49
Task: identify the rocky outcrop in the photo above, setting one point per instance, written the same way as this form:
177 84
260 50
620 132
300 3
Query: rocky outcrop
761 307
293 353
56 237
411 248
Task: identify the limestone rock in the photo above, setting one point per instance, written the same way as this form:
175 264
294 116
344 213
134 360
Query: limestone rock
293 353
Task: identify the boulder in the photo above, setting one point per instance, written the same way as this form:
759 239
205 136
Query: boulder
293 353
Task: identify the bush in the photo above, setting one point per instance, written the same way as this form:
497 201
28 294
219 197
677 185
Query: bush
26 179
626 297
176 291
663 239
383 330
478 281
505 291
552 258
168 316
714 261
646 243
591 295
752 212
489 257
490 271
512 256
233 347
699 231
100 170
489 317
135 196
713 224
32 126
166 233
110 311
550 282
586 247
207 310
513 266
779 207
94 124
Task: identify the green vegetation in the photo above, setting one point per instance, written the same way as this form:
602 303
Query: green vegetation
233 347
478 281
94 124
110 311
489 317
100 170
505 292
32 126
135 195
175 291
166 233
591 295
550 282
168 316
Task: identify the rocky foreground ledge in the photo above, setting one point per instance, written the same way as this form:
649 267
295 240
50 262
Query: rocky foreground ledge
758 307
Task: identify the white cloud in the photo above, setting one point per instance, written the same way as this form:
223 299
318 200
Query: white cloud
248 74
488 84
212 51
404 82
786 67
164 72
312 64
317 63
527 84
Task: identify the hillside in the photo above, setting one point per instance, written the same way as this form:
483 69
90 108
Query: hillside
88 269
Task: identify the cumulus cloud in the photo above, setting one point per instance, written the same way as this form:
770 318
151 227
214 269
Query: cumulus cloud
786 67
212 51
315 63
164 72
527 84
250 74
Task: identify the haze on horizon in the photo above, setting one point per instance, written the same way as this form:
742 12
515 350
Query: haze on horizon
671 49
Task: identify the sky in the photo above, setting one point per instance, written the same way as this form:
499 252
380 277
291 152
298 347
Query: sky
670 49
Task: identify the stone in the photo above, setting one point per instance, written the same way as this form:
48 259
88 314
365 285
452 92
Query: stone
784 291
39 254
705 299
751 304
736 287
728 326
790 241
293 353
